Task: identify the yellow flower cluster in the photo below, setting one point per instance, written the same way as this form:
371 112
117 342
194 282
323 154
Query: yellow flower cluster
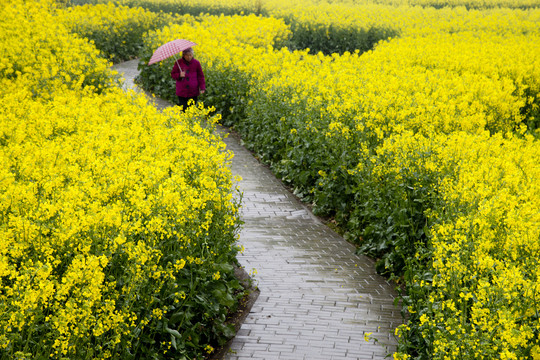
324 26
491 282
103 198
230 7
338 26
438 83
471 4
485 242
447 82
59 62
115 30
222 33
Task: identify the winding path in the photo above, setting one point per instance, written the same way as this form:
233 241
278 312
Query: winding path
318 299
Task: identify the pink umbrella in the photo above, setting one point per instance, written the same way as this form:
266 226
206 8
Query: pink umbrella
169 49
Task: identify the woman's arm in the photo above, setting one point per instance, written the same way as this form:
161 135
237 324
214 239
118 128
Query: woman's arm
177 73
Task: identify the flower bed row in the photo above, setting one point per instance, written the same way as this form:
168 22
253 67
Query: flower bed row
340 26
222 36
118 222
115 30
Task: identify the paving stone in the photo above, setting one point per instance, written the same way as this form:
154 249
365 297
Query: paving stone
318 298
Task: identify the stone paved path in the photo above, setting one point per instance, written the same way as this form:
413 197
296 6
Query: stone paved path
317 297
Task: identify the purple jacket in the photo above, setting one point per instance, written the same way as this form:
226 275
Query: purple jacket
193 82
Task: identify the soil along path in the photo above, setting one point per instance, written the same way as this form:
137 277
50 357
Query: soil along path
318 299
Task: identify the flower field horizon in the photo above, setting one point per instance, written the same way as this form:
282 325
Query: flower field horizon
413 124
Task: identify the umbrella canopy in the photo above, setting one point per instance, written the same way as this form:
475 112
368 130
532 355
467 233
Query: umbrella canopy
169 49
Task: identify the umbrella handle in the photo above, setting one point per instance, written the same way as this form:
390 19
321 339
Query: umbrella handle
176 61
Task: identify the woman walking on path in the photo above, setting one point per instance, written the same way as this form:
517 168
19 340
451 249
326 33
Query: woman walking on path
189 78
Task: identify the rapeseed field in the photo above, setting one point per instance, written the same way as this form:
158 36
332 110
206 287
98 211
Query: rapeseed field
413 124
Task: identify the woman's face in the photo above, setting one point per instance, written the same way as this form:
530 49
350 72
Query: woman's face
188 57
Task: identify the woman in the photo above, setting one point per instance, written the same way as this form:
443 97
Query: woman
189 78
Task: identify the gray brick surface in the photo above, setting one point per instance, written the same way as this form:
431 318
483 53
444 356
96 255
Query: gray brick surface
318 298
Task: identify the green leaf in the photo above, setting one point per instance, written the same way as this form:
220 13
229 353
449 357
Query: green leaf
173 332
225 268
224 298
227 331
176 317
